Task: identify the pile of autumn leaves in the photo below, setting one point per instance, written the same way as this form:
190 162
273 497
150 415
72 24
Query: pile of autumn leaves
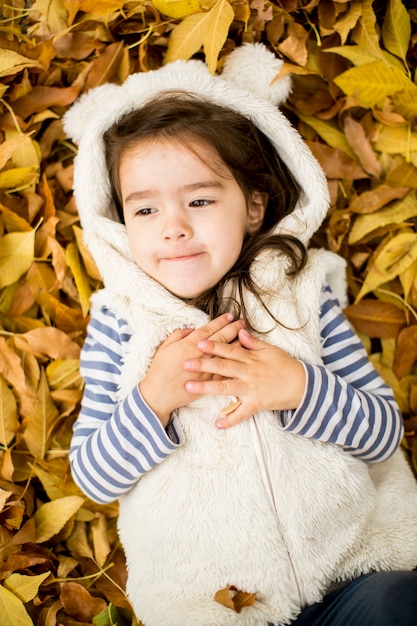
354 100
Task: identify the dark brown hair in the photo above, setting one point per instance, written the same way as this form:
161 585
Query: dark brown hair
249 156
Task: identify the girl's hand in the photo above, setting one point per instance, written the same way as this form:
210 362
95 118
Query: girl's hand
163 387
262 376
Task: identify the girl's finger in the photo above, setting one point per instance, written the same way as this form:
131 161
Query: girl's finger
242 413
222 367
221 387
213 327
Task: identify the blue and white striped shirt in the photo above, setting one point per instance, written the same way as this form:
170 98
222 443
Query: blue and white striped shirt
346 403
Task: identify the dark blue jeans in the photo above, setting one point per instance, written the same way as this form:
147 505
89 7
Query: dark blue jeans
380 599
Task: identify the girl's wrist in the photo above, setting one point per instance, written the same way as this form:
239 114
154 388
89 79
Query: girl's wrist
154 403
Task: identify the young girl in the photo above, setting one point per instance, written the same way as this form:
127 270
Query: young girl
228 404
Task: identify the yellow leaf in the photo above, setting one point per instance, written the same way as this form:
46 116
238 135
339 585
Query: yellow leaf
177 8
349 19
396 213
101 543
186 38
12 62
397 255
52 483
372 83
12 611
220 18
405 102
328 131
9 422
27 152
48 341
88 260
39 425
64 374
16 256
13 221
8 147
396 29
55 14
357 54
80 276
104 7
51 517
366 34
25 587
18 178
395 140
394 258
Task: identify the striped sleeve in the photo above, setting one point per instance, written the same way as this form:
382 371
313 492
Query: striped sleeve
346 402
114 444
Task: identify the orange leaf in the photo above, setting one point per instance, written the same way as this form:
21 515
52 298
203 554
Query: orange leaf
232 598
406 354
375 318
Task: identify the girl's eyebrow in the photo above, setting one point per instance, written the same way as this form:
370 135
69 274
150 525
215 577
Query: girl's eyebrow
146 193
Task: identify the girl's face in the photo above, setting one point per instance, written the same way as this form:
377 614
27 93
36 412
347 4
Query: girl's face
185 220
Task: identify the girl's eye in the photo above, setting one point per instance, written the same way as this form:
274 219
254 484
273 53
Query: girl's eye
200 202
145 211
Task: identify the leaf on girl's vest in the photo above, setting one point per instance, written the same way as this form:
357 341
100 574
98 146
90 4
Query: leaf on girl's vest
232 598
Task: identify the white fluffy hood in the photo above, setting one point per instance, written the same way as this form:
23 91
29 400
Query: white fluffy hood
246 85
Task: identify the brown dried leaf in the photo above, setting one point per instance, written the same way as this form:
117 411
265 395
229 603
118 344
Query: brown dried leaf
79 603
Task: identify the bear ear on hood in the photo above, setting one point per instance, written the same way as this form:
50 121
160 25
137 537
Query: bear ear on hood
254 68
80 114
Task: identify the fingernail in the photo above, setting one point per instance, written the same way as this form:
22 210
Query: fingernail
230 317
219 424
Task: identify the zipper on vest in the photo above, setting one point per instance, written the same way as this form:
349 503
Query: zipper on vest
262 454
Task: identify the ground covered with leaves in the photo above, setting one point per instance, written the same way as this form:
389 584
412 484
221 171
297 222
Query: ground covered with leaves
354 100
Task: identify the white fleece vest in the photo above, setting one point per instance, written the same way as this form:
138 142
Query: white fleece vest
266 511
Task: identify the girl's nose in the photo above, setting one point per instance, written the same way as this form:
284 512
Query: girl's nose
176 227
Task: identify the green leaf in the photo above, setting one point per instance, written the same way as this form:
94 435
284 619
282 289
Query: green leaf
372 83
110 616
396 29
